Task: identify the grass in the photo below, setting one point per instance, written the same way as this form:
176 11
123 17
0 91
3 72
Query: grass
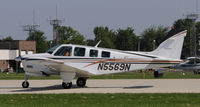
149 75
126 75
20 76
100 100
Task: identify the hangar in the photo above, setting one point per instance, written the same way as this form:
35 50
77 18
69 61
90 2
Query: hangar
10 50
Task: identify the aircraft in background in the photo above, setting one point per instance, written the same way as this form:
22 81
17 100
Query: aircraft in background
192 63
69 60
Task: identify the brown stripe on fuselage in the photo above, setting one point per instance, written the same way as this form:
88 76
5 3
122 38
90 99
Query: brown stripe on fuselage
139 61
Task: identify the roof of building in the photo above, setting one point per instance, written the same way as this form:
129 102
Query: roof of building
12 45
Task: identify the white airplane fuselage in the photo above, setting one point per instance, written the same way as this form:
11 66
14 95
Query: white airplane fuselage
119 61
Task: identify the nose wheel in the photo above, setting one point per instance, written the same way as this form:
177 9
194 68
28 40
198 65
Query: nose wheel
25 84
81 82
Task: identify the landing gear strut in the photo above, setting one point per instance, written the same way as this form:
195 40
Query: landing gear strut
66 85
67 78
81 81
25 84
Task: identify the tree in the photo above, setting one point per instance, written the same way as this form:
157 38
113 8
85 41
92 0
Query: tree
181 25
106 36
7 39
126 39
198 37
41 43
152 37
68 35
91 42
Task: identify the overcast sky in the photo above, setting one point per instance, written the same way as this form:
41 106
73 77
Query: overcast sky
84 15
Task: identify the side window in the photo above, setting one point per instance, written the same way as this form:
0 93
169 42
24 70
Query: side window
93 53
78 51
105 54
64 51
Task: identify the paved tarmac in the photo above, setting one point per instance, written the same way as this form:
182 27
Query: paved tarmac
105 86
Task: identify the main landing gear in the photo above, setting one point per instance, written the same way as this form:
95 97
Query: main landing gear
25 84
66 85
81 81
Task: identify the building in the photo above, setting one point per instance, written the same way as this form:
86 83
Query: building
10 50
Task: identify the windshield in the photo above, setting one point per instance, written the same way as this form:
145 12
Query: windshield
64 51
50 51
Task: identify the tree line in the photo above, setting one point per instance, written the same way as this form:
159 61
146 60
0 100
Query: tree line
122 39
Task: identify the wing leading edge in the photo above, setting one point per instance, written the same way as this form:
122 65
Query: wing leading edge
61 66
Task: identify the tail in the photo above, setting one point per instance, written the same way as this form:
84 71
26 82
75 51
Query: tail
172 47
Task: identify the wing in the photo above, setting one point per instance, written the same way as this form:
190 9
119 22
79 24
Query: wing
61 66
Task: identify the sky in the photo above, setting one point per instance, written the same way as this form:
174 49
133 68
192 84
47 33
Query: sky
85 15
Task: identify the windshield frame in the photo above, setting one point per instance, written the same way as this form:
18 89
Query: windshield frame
51 50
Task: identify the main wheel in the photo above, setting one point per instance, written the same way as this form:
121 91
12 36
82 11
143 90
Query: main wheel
25 84
196 72
81 82
67 85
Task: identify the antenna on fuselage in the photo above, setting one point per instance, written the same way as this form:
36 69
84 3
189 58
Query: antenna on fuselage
97 44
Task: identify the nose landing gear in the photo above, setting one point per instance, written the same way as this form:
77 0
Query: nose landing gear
25 84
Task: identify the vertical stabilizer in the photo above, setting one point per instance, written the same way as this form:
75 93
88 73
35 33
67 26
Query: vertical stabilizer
172 47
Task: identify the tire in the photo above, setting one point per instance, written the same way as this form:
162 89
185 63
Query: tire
81 82
158 74
67 85
195 72
25 84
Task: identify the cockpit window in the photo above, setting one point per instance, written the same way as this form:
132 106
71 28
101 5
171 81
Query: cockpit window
78 51
191 62
93 53
50 51
64 51
105 54
197 61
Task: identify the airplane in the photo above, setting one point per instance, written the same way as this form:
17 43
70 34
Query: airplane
70 61
192 63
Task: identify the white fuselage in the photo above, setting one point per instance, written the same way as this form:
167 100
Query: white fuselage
88 63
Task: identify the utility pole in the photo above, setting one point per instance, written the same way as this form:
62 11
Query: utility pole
154 44
139 38
55 23
31 27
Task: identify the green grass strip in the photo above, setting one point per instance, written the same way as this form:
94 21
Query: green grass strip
100 100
